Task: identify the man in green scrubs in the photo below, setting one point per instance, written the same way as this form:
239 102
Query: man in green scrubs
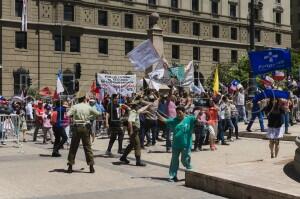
182 127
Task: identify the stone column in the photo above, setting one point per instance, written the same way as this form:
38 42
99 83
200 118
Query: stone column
297 156
156 36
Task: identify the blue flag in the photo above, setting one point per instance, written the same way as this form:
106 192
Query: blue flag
270 60
269 93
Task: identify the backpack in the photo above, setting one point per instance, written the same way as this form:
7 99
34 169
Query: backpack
53 119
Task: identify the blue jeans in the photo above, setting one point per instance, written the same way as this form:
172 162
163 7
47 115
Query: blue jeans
168 138
200 134
286 119
234 121
221 127
260 119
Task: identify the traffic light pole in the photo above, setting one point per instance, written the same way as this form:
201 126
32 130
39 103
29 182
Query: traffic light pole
252 85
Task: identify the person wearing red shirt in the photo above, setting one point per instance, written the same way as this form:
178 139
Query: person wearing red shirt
39 111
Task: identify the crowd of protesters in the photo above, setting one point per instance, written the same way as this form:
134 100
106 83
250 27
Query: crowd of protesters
171 116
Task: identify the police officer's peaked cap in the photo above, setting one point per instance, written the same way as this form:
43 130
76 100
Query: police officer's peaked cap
80 94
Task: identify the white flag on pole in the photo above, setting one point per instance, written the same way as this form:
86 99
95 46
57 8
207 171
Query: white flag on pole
189 75
111 90
24 16
143 56
59 85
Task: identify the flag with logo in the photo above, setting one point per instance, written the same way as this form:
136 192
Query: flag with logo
270 60
24 16
143 56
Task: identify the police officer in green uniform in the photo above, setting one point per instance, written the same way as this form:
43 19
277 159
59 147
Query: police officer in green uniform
133 131
81 114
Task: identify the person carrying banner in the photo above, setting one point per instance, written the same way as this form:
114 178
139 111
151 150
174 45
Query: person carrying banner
81 114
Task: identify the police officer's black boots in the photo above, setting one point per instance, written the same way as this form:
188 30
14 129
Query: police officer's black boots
92 170
139 162
70 169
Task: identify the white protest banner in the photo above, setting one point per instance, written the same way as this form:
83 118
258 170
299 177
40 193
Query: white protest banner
123 84
144 55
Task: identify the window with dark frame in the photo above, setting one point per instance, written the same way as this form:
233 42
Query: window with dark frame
216 55
18 8
234 56
174 3
68 13
233 33
232 9
21 40
216 32
175 52
278 17
214 7
102 18
129 21
175 26
195 5
278 38
196 29
74 44
152 2
57 43
103 46
129 45
257 35
196 53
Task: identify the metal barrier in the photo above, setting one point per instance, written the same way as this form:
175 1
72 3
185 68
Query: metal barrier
10 129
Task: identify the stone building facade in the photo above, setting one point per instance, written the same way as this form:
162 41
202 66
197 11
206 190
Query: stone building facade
295 23
97 34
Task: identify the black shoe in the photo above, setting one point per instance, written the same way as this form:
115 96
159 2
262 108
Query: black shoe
249 130
56 154
225 143
120 151
124 160
148 144
92 170
287 133
140 164
70 169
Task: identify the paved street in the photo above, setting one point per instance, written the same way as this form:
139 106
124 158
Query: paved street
34 174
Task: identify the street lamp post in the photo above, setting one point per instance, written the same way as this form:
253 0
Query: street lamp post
252 86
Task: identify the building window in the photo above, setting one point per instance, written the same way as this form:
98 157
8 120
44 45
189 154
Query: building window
68 13
21 40
128 21
152 2
278 17
196 53
234 56
234 33
214 7
21 80
174 3
103 46
68 79
102 18
175 52
195 5
215 31
128 46
175 26
278 38
18 8
232 10
58 46
196 29
257 35
216 55
74 44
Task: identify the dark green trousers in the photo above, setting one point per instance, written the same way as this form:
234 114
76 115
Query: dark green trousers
134 143
81 133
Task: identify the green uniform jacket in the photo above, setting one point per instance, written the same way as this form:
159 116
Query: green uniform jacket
182 131
82 112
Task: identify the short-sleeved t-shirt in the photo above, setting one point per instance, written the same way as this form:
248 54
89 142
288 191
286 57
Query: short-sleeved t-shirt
182 130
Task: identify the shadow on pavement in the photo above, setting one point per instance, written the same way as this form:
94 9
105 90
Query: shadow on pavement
119 163
66 171
290 171
104 156
157 178
45 155
158 152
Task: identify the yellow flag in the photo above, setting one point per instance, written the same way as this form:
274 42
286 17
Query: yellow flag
216 82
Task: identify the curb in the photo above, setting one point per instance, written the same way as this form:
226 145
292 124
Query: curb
231 189
290 138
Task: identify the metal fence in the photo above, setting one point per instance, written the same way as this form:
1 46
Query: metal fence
10 128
